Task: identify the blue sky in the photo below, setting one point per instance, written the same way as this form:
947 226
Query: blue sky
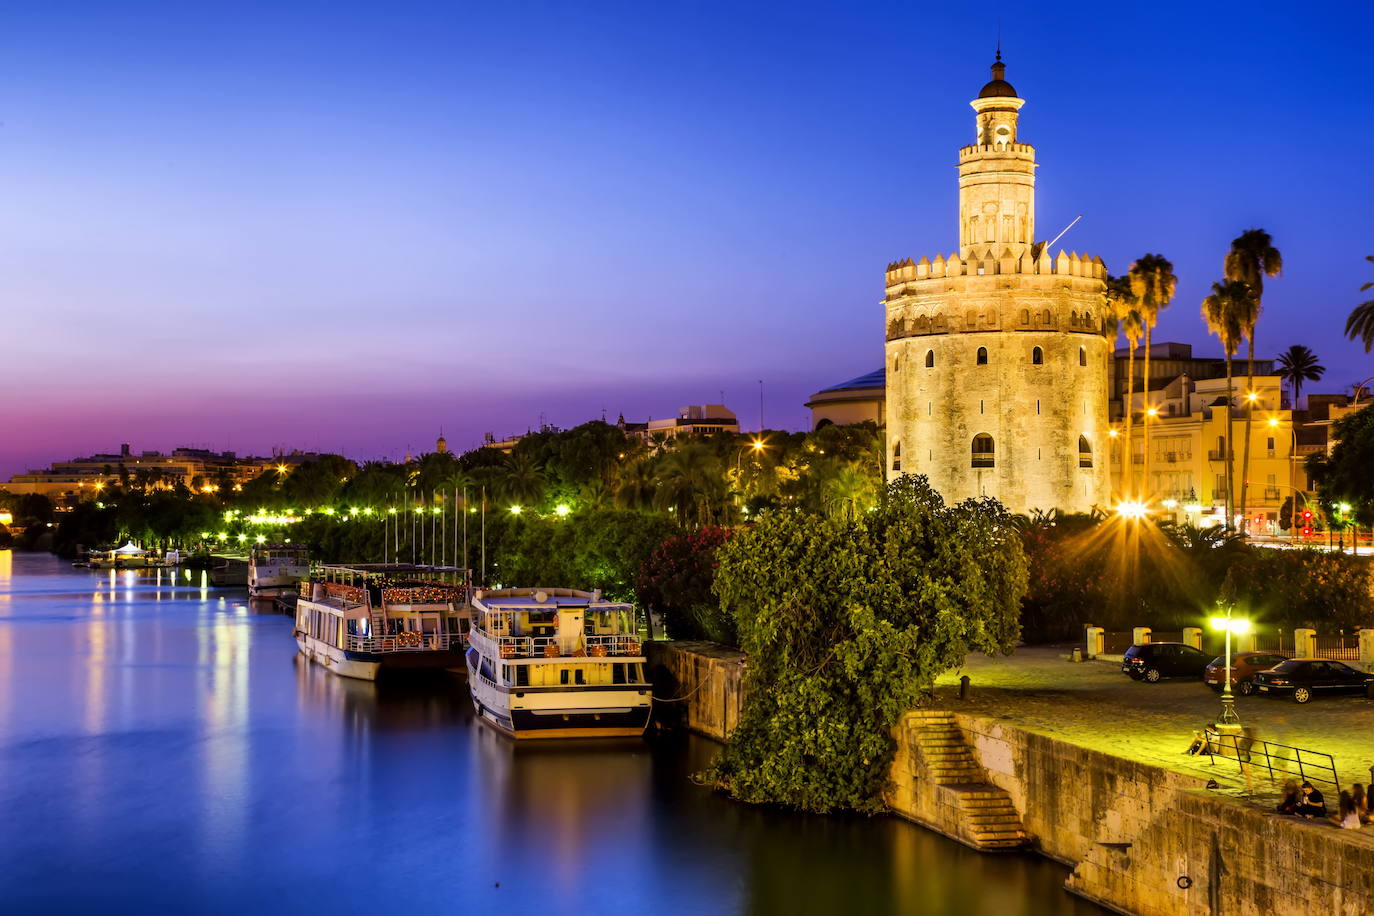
343 226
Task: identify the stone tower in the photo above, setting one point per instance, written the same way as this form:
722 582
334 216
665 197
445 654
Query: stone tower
997 354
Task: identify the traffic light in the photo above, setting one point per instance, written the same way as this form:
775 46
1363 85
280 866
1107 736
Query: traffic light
1307 531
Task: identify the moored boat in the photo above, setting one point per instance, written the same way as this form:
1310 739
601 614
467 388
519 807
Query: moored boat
359 621
275 570
556 663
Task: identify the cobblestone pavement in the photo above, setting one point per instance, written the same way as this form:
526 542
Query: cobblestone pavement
1094 705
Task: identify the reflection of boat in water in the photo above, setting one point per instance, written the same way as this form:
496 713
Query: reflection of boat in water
232 571
275 570
556 663
396 704
360 620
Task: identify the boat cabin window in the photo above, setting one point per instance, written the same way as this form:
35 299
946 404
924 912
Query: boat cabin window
522 675
486 670
563 676
618 673
577 676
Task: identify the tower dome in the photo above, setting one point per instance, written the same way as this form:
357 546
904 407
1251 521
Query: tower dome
997 87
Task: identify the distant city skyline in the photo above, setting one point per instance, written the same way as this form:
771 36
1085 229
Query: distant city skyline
264 227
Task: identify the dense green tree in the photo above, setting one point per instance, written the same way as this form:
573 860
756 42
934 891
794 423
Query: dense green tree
845 623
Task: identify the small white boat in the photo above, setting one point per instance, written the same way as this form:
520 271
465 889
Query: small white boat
556 663
275 570
359 621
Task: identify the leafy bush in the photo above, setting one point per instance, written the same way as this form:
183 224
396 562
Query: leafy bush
1292 588
677 579
845 623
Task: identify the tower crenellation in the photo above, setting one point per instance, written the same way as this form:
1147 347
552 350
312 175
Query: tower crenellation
997 353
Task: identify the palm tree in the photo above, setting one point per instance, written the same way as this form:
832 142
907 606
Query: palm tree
1153 283
1120 301
1298 364
1222 310
1361 321
1252 257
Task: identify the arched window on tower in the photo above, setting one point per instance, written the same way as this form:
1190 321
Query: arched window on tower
1037 357
896 456
1025 316
1073 319
982 356
1085 452
1047 318
1082 356
930 359
984 451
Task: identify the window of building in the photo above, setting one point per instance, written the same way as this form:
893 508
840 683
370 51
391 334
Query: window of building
1271 443
1025 316
1037 357
983 360
1085 452
984 455
1082 356
896 456
930 359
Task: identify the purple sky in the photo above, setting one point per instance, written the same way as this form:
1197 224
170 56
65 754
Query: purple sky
342 227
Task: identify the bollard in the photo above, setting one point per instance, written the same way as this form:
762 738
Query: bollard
1094 641
1304 643
1077 654
963 687
1192 636
1140 636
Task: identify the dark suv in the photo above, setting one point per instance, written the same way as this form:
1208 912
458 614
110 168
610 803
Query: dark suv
1156 660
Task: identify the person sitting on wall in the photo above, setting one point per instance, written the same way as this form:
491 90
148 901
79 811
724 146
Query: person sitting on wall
1357 795
1291 798
1347 817
1313 804
1202 743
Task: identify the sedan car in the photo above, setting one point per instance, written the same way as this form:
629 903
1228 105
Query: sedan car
1244 667
1156 660
1305 678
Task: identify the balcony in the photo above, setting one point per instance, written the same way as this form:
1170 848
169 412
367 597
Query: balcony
1218 454
404 642
587 646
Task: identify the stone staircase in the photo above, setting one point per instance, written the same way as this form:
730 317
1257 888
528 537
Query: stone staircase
986 817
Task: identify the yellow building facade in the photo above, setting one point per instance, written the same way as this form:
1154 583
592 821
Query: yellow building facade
1185 475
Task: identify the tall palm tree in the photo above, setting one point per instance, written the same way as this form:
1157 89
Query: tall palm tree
1153 283
1298 364
1222 310
1361 321
1252 258
1120 301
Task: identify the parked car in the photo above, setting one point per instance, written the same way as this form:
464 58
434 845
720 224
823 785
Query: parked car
1156 660
1305 678
1244 667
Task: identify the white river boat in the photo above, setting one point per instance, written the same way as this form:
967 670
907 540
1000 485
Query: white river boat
276 569
556 663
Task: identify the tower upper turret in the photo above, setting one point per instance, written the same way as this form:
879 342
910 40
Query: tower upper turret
996 175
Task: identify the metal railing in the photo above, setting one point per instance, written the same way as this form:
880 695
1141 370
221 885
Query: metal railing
400 642
553 647
1280 759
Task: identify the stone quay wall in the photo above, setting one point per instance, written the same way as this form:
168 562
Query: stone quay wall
1141 840
700 684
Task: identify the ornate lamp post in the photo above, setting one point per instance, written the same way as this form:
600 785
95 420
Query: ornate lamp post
1229 625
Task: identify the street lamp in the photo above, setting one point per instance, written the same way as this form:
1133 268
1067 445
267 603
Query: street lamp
1229 625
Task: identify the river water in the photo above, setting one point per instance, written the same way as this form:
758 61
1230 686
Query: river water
163 747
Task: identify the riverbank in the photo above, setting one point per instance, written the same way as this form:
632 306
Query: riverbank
1142 838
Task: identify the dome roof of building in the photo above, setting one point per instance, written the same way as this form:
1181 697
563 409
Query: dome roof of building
997 89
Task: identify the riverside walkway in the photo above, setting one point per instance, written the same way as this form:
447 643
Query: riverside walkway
1094 705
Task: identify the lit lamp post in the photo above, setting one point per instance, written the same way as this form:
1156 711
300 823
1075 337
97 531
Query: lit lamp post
1229 625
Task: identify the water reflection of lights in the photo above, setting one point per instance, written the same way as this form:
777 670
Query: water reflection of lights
224 646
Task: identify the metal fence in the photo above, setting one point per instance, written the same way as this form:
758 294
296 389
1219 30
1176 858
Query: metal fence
1341 647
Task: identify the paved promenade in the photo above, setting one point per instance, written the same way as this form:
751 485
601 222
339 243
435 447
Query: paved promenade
1094 705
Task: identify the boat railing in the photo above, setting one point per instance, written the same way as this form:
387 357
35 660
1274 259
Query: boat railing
555 646
404 642
423 594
